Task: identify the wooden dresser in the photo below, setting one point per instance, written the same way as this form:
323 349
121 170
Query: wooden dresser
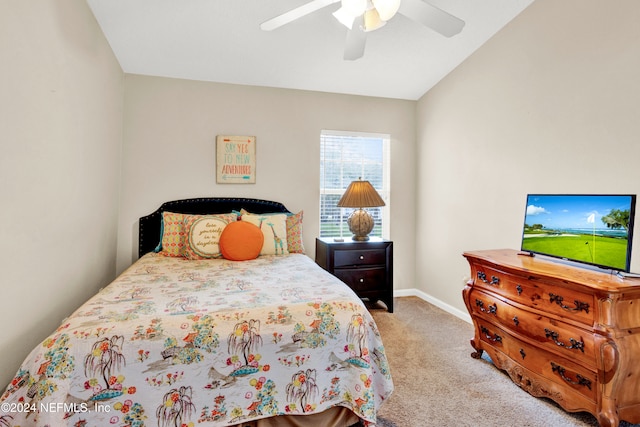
567 333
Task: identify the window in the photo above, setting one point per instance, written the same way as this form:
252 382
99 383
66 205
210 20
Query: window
345 157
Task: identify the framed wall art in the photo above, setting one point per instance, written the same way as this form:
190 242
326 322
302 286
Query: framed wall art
235 159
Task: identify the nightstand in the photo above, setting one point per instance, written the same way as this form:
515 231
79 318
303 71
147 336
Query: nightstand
367 267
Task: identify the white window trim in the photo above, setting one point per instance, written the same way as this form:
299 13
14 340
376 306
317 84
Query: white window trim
385 192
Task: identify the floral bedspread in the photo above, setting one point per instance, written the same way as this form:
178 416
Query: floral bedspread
174 342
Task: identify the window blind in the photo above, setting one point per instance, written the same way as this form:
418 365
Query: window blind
346 157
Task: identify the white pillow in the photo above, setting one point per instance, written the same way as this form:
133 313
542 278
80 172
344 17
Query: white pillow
274 229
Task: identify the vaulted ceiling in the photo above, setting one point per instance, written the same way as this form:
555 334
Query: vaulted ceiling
221 41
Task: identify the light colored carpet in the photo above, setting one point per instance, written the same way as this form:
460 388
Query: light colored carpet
438 383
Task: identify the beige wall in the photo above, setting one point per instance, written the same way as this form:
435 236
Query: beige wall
61 93
169 151
549 105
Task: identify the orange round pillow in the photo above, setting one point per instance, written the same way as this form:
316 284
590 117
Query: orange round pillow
241 241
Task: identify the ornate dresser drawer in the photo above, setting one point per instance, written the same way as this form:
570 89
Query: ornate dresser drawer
564 372
576 305
564 332
558 337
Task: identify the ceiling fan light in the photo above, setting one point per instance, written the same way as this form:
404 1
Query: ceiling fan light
349 10
344 17
386 8
372 20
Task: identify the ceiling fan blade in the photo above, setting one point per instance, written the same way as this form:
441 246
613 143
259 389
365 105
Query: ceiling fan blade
432 17
356 40
296 13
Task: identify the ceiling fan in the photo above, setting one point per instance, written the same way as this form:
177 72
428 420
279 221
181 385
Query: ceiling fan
363 16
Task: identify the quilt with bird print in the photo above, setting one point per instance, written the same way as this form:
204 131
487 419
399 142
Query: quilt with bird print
177 342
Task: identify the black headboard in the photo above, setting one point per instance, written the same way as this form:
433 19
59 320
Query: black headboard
149 227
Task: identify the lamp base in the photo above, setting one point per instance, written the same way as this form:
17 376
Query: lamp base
360 224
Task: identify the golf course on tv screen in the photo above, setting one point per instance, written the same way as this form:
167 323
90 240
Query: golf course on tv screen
592 229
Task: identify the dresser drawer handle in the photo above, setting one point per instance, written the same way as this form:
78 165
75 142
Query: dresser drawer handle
492 309
495 280
580 380
487 335
519 289
361 257
361 280
575 345
579 305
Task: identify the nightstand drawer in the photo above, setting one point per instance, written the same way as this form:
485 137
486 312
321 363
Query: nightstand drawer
345 258
362 279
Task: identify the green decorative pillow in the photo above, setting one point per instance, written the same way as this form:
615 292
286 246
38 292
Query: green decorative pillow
274 229
202 235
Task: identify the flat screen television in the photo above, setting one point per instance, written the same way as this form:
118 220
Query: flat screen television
594 229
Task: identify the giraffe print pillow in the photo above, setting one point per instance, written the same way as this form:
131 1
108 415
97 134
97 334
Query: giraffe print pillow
274 229
295 244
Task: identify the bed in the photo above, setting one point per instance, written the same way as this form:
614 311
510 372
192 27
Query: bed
192 337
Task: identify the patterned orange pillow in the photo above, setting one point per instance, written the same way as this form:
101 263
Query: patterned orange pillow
241 241
294 234
172 234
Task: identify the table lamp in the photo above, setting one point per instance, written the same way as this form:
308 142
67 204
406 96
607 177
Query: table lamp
360 194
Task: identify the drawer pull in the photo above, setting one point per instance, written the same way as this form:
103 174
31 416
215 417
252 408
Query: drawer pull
516 321
495 280
361 280
580 380
575 345
579 305
361 256
519 289
522 353
492 309
487 335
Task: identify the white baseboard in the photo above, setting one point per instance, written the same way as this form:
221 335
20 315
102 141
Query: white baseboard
428 298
